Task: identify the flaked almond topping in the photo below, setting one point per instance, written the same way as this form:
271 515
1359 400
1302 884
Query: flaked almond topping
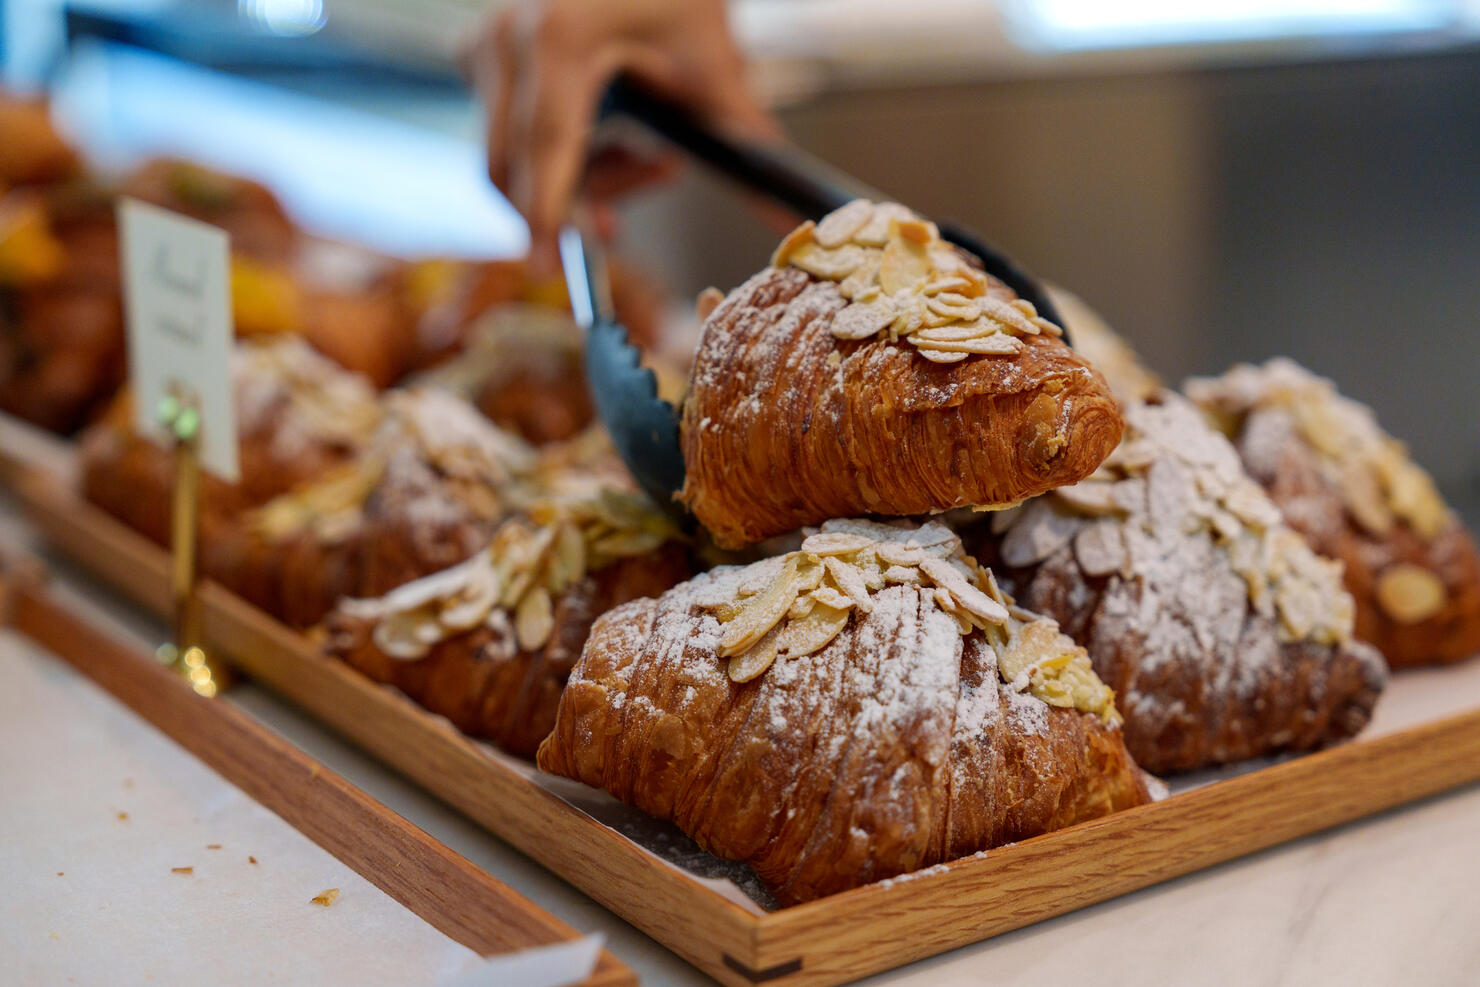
512 585
798 604
1171 476
902 279
1380 485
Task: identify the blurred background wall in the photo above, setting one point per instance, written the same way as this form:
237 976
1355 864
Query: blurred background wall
1225 182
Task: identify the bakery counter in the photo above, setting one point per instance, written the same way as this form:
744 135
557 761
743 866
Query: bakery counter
1381 901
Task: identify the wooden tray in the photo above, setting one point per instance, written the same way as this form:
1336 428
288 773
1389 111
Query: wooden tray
831 940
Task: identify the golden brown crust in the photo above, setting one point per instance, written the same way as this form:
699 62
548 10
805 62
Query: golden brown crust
893 748
776 436
482 680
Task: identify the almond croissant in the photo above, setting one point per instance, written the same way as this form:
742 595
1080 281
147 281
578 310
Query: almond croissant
1354 493
861 708
489 642
1224 635
872 369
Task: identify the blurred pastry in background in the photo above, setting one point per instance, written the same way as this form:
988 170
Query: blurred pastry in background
32 152
424 493
489 643
523 366
1355 494
1106 350
459 294
254 219
61 314
874 369
1223 635
863 707
298 415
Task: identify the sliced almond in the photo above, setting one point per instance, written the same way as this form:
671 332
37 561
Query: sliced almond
904 266
831 597
534 619
801 236
838 226
850 581
709 300
902 575
753 662
762 611
1095 498
875 232
1008 316
801 607
400 636
833 265
471 605
813 632
943 356
862 285
862 320
974 600
1100 549
1410 593
834 543
992 344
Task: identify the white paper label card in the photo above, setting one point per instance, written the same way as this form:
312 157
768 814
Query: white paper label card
177 300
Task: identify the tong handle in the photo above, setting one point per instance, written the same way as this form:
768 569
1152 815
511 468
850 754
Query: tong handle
789 175
782 172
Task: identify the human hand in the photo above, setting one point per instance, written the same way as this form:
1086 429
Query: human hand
540 67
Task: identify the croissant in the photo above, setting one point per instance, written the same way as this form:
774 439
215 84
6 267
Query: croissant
1225 636
873 370
860 708
1354 493
490 642
426 492
298 415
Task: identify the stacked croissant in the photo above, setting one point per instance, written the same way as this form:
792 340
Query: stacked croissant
976 583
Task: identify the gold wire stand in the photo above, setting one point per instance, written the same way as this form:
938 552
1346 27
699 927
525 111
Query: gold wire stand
179 413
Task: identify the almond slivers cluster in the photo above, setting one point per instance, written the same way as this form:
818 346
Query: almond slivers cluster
1169 479
1379 483
529 564
807 598
325 398
479 462
903 280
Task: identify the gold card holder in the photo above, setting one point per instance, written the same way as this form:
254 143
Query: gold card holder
179 413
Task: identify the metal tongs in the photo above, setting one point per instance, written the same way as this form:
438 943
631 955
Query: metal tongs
644 427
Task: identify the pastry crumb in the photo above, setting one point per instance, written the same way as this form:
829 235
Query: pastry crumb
128 783
123 817
213 846
326 898
60 874
251 860
182 870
